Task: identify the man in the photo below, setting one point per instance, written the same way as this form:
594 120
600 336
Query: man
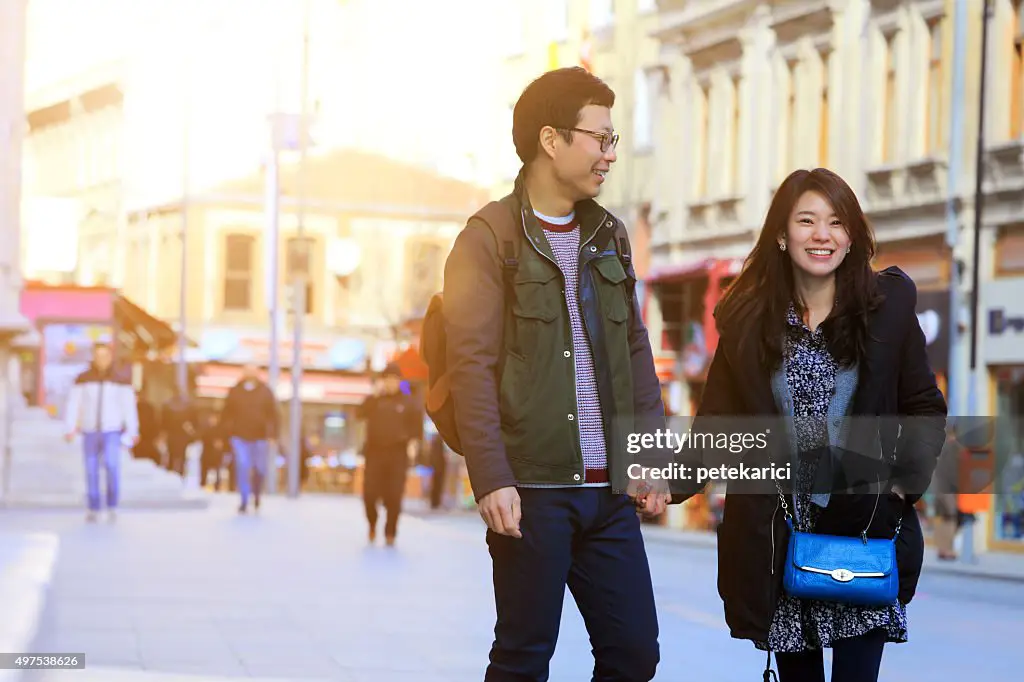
250 420
537 397
179 425
101 407
393 424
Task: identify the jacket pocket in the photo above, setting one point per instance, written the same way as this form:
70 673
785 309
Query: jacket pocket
613 292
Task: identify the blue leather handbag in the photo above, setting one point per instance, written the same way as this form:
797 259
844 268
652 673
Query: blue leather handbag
834 568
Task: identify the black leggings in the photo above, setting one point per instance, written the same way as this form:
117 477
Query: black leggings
856 659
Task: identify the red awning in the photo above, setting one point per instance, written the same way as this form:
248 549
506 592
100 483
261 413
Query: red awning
695 269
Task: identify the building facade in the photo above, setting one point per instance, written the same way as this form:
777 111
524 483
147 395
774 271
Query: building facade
877 91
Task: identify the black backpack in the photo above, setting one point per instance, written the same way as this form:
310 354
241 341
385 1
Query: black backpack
499 217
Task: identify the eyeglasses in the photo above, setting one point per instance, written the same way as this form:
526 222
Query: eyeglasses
607 140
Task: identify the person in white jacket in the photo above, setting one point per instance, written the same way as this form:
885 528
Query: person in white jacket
101 407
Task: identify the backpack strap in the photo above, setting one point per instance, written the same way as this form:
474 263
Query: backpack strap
499 217
620 241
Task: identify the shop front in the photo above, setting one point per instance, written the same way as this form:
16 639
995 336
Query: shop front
684 338
71 320
1002 326
928 262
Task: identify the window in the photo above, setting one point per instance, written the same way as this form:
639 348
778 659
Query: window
933 120
299 260
645 6
823 118
426 266
889 124
643 123
1010 251
238 271
734 135
1017 72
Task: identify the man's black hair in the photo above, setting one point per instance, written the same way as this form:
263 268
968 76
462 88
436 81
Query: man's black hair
555 99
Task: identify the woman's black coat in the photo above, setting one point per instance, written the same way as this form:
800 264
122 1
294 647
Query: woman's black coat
894 382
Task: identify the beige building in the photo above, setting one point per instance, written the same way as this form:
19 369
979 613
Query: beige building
868 88
613 38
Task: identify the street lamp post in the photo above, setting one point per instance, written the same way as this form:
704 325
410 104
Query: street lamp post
300 273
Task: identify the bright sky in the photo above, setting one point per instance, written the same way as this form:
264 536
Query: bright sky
409 78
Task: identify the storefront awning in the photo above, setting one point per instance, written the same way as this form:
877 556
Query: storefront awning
727 267
144 331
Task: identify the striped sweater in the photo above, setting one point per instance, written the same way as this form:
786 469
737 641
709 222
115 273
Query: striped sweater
563 235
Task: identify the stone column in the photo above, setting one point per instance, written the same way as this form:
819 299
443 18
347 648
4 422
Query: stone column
13 26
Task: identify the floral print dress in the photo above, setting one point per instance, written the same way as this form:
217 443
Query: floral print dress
803 624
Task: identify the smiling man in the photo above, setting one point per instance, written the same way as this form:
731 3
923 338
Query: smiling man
548 356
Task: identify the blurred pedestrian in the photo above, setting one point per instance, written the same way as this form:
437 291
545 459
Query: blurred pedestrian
180 426
249 419
101 408
439 470
149 431
539 394
393 424
946 511
809 330
213 455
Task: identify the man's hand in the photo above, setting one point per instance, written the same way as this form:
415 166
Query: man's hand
501 510
650 500
70 436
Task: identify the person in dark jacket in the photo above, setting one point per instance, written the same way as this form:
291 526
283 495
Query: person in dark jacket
180 426
393 424
809 332
249 419
542 394
213 455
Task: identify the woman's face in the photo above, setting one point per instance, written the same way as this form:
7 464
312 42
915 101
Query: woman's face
816 240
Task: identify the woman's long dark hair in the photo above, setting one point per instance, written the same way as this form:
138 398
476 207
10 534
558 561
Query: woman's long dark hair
754 306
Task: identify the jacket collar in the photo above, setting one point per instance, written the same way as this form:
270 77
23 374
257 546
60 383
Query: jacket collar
589 213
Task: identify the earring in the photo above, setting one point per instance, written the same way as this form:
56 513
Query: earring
782 246
848 249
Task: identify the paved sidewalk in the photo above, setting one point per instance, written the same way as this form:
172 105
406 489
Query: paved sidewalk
296 594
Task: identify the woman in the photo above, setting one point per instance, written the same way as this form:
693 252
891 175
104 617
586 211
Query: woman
808 328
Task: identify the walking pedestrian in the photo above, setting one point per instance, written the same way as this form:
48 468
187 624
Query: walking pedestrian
809 331
179 424
213 455
101 407
249 419
393 424
539 393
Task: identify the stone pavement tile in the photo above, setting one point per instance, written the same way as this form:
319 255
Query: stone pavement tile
405 676
90 614
378 653
297 666
146 615
205 669
157 648
99 647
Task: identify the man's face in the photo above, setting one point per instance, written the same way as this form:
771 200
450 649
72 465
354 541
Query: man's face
102 357
581 165
250 372
392 384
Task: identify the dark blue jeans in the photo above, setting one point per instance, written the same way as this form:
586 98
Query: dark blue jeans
588 539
